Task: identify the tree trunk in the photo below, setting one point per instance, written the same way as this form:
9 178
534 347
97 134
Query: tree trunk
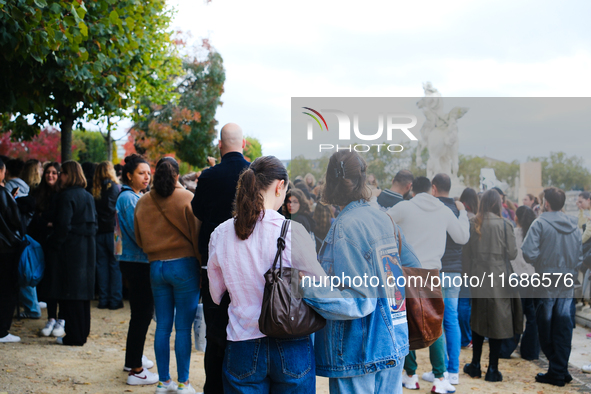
66 130
109 146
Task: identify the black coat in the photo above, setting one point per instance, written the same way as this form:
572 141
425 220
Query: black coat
72 247
11 227
214 196
105 206
452 258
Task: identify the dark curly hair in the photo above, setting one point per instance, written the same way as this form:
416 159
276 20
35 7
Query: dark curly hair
167 170
131 163
345 179
249 199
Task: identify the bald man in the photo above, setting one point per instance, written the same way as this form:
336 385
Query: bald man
212 205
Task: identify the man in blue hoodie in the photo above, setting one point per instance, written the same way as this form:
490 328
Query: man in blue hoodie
553 246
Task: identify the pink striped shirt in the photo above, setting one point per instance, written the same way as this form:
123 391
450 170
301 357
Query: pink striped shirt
238 266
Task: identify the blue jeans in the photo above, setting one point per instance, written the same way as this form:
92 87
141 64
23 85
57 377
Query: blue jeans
269 365
175 284
108 273
555 329
28 297
464 315
530 344
451 323
384 381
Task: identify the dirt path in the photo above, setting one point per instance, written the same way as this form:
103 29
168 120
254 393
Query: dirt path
38 365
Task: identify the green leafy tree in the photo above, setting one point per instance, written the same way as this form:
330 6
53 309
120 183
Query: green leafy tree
384 164
563 171
506 172
90 146
299 166
63 61
187 126
253 149
469 169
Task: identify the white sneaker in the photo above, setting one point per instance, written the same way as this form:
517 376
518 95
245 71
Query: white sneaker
586 368
59 328
9 338
443 387
59 340
454 378
186 389
48 328
410 382
42 305
140 378
163 388
430 376
146 363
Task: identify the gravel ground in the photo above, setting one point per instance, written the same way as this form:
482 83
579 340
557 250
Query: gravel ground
38 365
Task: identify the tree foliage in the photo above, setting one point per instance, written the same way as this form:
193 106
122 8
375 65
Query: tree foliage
187 126
91 146
469 169
62 61
253 149
563 171
45 146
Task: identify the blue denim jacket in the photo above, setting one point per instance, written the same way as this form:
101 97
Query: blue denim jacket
366 329
126 203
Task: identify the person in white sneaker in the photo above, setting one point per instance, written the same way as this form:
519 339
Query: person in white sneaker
141 377
164 387
426 222
174 265
11 231
39 229
410 382
9 338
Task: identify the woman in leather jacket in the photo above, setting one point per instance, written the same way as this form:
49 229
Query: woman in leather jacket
11 232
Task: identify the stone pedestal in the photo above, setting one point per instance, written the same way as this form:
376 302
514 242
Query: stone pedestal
530 177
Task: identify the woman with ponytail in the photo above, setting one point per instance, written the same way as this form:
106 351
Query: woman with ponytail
167 231
241 250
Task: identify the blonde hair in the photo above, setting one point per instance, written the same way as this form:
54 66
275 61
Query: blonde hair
31 174
104 170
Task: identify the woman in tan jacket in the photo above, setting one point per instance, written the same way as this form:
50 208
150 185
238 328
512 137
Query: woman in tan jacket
167 231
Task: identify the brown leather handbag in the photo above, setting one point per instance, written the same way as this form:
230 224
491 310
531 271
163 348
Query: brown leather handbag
424 305
283 315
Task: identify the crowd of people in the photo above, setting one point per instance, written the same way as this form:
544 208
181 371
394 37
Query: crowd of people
212 237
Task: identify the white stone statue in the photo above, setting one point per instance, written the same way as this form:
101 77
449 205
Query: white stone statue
439 134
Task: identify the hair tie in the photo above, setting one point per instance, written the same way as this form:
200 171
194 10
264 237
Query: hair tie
340 172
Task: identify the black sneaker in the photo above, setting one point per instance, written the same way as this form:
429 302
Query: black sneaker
568 378
473 370
103 306
115 307
544 378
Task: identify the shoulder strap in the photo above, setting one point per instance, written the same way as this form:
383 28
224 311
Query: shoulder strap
281 246
397 234
167 219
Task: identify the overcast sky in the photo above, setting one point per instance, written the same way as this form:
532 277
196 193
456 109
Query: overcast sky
275 50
